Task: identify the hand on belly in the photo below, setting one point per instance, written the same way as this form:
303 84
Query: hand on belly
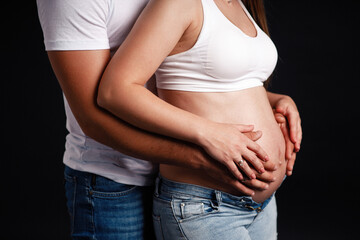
249 106
273 143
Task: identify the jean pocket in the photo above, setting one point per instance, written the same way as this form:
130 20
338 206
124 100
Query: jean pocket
185 210
112 190
157 227
70 194
69 178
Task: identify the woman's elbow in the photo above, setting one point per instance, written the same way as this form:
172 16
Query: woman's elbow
104 97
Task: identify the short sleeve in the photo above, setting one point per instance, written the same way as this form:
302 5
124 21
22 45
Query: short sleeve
74 24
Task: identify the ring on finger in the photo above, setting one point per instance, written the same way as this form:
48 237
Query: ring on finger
241 162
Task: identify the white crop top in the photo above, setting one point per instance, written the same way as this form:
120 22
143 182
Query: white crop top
223 59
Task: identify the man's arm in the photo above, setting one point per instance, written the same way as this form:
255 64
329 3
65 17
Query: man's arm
79 73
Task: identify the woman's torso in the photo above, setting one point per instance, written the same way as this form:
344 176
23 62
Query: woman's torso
230 108
219 77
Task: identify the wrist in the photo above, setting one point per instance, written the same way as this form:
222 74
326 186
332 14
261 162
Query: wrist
277 100
190 156
199 159
201 133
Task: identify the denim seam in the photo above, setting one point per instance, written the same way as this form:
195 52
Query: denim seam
199 216
73 207
178 223
158 198
91 203
175 193
158 218
219 199
69 178
99 194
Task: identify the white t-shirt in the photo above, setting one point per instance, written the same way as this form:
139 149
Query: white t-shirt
91 25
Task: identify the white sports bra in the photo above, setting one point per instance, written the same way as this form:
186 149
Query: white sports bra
223 59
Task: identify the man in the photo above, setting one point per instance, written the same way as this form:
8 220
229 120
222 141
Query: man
106 190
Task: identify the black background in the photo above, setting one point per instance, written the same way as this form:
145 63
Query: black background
318 67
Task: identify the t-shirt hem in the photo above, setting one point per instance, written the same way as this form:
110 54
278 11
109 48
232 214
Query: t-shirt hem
130 178
76 45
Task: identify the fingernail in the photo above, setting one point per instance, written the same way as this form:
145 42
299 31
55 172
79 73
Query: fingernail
267 158
253 176
262 170
266 186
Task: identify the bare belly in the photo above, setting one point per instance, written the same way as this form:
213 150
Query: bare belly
249 106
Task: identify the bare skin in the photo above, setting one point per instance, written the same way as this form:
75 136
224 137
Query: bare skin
175 26
229 108
79 73
226 109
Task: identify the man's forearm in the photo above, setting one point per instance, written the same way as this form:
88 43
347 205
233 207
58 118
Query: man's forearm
123 137
275 97
78 73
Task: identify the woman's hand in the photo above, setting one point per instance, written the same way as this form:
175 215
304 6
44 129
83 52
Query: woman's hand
219 172
228 144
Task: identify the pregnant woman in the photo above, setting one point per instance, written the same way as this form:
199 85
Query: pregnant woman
210 59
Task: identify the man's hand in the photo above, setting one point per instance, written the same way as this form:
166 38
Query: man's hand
288 118
290 151
287 107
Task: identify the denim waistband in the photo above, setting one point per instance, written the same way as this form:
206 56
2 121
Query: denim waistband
165 186
82 178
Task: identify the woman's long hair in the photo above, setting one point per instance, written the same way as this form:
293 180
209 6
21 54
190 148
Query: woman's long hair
257 11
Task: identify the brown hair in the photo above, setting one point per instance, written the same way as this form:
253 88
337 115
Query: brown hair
257 11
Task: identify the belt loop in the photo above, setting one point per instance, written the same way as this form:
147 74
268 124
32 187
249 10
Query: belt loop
157 185
93 180
218 197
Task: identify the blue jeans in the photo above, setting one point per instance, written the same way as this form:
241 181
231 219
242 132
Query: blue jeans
186 211
103 209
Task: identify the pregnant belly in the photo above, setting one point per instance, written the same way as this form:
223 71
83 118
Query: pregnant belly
250 106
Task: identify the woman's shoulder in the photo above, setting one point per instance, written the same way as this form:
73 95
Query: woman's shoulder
185 11
178 5
181 2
